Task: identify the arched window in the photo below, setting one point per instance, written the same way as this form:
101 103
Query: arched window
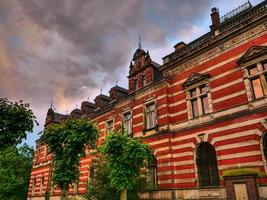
207 167
264 142
143 80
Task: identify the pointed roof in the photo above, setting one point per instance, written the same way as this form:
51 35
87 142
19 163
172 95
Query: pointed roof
194 78
252 52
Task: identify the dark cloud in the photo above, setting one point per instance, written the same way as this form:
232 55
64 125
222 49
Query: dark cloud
68 50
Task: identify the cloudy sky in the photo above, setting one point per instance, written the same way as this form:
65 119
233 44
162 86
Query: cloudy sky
68 50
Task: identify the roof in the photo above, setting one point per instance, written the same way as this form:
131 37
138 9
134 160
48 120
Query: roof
121 89
139 52
227 26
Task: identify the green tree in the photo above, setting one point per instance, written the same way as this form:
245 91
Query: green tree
125 157
67 143
15 168
15 120
99 186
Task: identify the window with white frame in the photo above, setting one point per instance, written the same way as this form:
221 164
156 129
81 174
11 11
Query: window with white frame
198 95
256 77
127 122
198 98
109 126
150 115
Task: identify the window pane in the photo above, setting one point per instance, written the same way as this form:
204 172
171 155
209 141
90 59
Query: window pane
257 89
203 89
135 84
195 108
109 126
205 106
253 70
264 65
193 93
144 80
127 122
150 116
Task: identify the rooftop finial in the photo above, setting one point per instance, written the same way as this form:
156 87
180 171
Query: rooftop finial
51 105
116 83
101 91
139 44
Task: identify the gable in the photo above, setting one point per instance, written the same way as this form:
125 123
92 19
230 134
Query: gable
195 78
252 53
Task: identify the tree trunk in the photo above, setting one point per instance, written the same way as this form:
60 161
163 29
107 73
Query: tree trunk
123 195
64 194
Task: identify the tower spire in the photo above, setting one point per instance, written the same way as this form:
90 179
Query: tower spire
139 43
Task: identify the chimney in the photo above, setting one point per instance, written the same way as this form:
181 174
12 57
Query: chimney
87 107
179 46
215 19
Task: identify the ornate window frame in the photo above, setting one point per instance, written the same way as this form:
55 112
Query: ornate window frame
193 89
254 58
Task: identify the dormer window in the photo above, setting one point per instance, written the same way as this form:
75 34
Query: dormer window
143 80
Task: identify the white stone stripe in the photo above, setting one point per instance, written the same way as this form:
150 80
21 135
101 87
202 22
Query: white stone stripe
159 141
238 155
138 115
177 103
181 146
233 135
188 153
224 74
185 162
162 106
229 96
39 171
212 67
226 85
185 180
241 165
223 128
163 116
164 181
237 145
178 113
137 107
139 124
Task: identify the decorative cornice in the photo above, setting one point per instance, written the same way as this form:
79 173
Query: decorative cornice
195 78
252 53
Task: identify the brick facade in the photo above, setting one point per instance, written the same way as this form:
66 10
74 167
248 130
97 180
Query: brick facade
229 117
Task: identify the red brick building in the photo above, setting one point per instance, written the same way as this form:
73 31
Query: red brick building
203 112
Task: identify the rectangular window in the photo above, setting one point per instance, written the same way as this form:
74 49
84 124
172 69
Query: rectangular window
257 88
150 116
127 122
109 126
198 101
256 77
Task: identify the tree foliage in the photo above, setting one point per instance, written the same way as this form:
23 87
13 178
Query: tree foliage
67 143
99 186
15 120
125 157
15 167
